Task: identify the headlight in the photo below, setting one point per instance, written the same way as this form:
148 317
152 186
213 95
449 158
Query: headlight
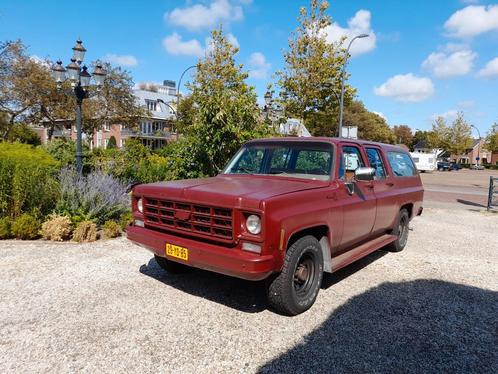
140 205
253 224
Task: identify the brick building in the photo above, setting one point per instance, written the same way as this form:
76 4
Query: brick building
153 131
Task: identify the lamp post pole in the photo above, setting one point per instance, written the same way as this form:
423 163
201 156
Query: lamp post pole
80 83
341 106
179 85
478 145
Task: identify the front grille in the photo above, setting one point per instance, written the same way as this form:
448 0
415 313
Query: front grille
200 220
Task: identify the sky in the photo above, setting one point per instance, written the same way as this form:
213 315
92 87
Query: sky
422 59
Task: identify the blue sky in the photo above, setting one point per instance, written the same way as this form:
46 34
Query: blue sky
423 57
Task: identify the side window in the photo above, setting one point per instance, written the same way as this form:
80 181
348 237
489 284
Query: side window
401 164
375 160
350 161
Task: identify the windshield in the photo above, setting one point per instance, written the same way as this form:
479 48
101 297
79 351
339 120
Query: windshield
307 160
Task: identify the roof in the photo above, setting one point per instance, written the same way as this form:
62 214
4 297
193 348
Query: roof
325 139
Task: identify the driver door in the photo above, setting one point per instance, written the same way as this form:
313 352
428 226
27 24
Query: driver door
358 199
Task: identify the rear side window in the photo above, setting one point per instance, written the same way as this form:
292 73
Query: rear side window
375 160
401 164
350 161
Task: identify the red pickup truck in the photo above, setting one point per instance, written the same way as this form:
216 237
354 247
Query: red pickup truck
284 210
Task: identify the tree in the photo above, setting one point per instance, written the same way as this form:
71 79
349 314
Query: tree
28 93
420 136
22 133
224 112
311 78
112 143
370 125
460 135
492 138
439 136
403 134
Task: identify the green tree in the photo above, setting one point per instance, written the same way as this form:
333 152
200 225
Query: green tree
403 134
460 135
22 133
112 143
420 136
224 112
311 78
439 136
492 138
370 125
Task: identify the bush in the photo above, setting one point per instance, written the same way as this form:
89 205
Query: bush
85 232
22 133
5 228
111 229
125 220
27 180
26 227
57 228
96 197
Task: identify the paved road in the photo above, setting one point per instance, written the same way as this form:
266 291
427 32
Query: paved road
107 307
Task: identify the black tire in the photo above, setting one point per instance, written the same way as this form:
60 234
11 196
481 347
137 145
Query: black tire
295 289
401 231
171 266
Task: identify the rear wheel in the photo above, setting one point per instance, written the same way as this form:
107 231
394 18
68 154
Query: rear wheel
171 266
295 289
400 231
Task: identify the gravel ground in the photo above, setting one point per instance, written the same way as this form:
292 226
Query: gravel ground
107 307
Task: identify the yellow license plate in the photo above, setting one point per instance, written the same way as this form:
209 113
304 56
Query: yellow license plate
177 251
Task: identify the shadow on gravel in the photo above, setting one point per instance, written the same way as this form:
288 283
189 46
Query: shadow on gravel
236 293
424 326
471 203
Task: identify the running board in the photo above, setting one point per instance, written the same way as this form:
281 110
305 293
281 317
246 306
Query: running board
352 255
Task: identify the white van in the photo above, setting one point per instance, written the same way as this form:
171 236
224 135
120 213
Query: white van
424 161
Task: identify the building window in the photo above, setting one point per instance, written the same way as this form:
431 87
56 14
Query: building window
151 105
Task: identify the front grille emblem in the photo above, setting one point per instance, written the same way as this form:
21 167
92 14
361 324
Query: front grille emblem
182 215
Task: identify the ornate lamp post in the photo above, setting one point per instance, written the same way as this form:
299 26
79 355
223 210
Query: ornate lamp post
268 103
341 108
80 88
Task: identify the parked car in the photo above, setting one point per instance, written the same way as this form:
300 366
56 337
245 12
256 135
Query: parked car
444 166
455 165
284 210
477 167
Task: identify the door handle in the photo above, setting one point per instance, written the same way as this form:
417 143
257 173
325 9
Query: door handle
390 184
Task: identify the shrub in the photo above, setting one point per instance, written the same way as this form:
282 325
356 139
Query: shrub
111 229
57 228
125 220
5 228
22 133
96 197
27 180
26 227
85 231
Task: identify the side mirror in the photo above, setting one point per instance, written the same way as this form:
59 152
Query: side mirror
364 174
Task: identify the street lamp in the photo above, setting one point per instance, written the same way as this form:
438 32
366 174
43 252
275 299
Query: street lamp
268 102
478 145
80 88
341 108
179 85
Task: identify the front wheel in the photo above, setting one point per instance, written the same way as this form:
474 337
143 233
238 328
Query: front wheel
400 231
295 289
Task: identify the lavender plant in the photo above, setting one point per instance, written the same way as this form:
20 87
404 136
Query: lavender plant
96 197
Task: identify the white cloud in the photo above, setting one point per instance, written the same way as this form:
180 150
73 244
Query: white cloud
199 16
407 87
490 70
449 115
233 40
176 46
450 62
258 66
359 24
124 60
472 20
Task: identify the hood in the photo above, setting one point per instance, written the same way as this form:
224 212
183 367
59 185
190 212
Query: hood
236 191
